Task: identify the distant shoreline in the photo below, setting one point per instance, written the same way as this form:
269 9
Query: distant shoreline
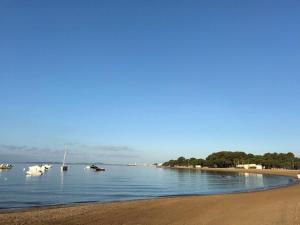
282 172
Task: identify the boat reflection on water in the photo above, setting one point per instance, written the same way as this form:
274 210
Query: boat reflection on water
62 176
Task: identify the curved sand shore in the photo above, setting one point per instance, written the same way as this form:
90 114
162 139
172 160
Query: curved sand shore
276 206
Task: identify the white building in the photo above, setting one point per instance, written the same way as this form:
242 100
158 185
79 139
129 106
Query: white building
249 166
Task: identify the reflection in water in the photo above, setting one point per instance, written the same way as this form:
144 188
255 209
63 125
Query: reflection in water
4 170
62 175
252 179
3 178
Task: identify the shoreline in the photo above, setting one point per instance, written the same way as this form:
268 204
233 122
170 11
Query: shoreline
148 211
279 172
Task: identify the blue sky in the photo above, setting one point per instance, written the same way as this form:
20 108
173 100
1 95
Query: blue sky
146 81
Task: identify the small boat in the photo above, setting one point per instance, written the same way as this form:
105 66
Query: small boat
93 167
96 168
64 167
44 167
5 166
37 170
47 166
132 164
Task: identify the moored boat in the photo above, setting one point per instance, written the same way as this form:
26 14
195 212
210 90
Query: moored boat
96 168
64 167
37 170
47 166
5 166
93 166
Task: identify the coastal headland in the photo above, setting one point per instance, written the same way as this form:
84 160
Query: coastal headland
270 207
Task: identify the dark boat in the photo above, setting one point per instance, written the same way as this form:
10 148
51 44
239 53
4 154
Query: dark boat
96 168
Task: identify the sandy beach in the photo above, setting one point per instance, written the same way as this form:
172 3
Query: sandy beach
280 206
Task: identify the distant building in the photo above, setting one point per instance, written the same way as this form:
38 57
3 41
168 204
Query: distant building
249 166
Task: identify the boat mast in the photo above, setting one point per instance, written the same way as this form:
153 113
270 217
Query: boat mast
65 155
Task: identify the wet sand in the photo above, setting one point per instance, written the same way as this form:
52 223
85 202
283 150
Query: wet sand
279 206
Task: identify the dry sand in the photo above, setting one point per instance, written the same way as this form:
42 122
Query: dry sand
279 206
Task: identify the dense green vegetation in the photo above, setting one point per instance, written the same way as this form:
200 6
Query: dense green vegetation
225 159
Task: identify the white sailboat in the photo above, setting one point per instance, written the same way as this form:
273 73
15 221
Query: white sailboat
64 167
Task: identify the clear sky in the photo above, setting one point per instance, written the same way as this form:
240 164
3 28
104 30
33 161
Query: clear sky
146 81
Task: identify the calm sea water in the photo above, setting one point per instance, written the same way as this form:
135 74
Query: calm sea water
120 183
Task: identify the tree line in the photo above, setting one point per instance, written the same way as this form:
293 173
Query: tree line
225 159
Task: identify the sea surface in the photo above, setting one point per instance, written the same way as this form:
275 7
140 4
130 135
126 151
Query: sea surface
119 183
